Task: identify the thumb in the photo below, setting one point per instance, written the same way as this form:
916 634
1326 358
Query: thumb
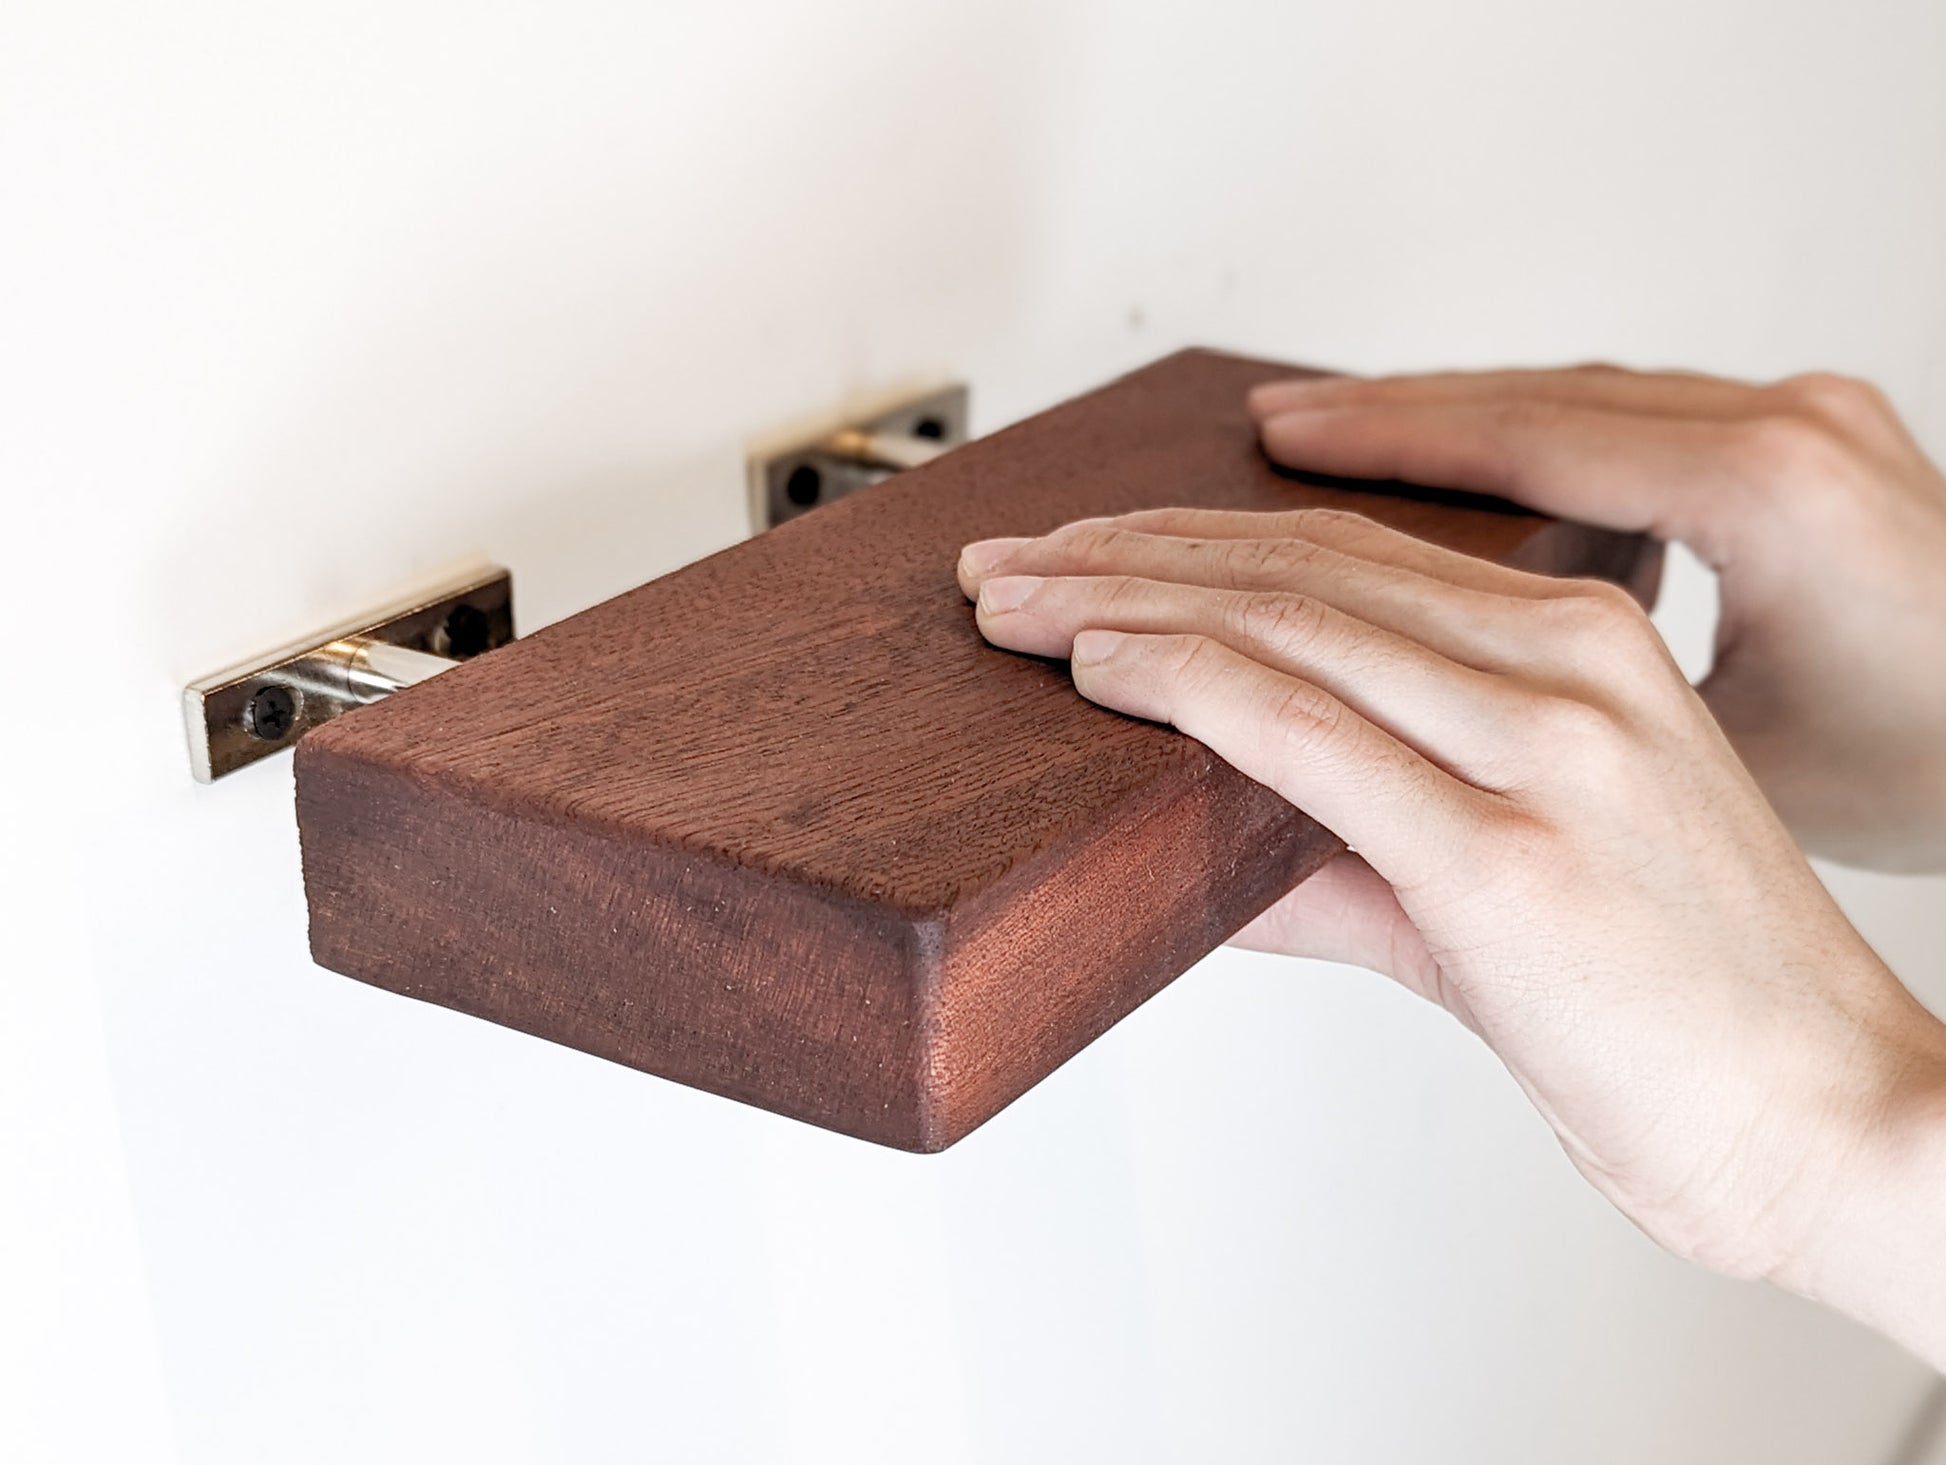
1347 913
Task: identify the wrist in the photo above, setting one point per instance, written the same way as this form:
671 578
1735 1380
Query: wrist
1874 1246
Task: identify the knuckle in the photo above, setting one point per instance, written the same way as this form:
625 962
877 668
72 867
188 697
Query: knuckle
1575 744
1275 617
1610 643
1159 521
1782 446
1595 610
1324 522
1302 720
1322 533
1798 461
1084 543
1846 401
1194 659
1252 562
1569 727
1121 595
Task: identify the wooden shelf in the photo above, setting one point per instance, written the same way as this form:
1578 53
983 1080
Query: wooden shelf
781 826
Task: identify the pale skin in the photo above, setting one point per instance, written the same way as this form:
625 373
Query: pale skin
1595 867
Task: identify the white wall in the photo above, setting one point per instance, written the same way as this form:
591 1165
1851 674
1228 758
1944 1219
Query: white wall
301 304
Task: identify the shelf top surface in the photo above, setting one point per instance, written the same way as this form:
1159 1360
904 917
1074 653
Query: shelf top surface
817 703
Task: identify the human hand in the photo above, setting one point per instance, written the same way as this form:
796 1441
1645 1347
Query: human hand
1825 521
1555 841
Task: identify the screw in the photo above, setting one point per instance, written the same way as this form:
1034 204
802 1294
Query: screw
270 713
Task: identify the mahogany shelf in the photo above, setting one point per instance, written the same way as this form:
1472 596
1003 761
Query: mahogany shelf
781 826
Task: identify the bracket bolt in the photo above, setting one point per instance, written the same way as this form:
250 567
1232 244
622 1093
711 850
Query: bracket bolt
270 713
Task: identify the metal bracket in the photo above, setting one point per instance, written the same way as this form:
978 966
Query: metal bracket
263 705
796 475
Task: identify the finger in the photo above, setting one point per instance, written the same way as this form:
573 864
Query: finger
1409 819
1296 551
1469 623
1453 714
1664 475
1345 912
1653 393
1348 533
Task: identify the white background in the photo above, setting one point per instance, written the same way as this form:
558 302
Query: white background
302 304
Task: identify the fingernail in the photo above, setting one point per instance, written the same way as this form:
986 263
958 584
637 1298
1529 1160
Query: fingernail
1007 592
982 557
1094 646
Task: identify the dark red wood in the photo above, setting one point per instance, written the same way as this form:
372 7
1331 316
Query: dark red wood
781 826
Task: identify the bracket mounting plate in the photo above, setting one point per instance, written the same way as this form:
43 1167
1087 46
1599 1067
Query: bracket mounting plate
793 475
261 706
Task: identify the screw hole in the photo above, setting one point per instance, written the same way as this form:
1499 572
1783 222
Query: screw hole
804 485
466 633
930 427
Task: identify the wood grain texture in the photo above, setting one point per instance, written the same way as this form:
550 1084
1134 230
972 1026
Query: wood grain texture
780 825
